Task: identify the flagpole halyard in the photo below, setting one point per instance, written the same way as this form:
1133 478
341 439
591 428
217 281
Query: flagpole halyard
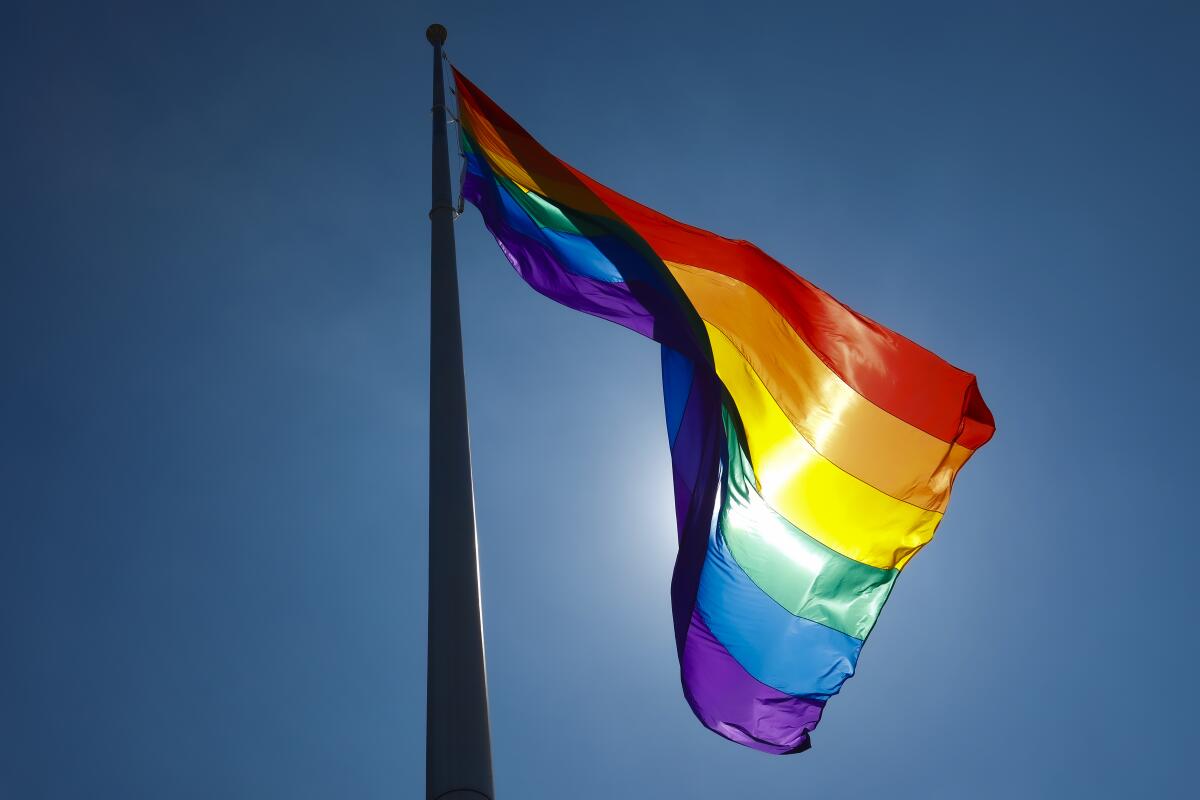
458 756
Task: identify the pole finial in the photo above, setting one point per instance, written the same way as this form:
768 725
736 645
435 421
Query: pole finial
436 34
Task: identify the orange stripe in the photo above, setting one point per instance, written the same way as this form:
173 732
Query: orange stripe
840 424
897 375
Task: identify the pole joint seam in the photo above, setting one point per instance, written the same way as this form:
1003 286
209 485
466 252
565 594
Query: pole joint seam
450 118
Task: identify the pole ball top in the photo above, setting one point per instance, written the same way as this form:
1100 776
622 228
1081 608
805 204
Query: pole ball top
436 34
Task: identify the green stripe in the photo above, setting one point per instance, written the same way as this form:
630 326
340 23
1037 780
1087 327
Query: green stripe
798 572
548 215
545 213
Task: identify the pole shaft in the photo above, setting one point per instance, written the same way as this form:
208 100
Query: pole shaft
458 755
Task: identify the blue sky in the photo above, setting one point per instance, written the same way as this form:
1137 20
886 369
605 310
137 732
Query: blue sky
214 338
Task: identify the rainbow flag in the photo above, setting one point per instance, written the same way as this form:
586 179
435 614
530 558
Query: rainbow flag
812 449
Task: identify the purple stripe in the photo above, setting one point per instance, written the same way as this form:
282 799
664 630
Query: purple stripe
645 308
695 464
689 450
730 702
541 269
683 501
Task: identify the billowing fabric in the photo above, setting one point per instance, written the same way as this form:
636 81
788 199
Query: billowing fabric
812 449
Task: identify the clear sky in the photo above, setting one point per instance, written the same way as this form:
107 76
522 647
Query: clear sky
214 278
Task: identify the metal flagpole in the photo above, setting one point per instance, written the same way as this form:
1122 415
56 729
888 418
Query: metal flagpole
458 747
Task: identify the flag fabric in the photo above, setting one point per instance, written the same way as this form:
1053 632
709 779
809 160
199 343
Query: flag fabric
813 450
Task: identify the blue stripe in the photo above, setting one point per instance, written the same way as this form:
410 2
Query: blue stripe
583 255
578 253
603 258
786 652
677 385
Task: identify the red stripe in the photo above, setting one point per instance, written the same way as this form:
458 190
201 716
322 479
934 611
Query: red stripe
894 373
891 371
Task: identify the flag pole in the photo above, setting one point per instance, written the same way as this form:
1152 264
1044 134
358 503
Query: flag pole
458 749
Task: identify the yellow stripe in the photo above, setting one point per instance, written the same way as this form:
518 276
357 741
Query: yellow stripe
884 451
830 505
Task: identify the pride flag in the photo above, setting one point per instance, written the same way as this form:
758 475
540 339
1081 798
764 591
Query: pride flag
812 449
